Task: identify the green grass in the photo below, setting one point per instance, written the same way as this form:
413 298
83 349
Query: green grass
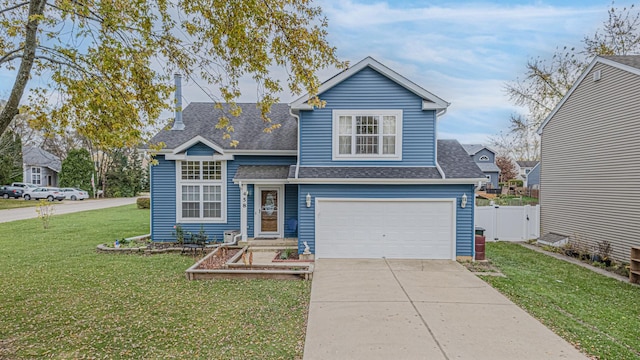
598 314
16 203
61 299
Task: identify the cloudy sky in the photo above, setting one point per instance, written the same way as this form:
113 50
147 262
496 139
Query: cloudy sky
462 51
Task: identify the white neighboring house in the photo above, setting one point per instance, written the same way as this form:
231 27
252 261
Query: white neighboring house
40 167
524 167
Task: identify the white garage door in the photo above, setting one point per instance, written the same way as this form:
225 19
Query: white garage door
393 228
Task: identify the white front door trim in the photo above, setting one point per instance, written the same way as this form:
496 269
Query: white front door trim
257 211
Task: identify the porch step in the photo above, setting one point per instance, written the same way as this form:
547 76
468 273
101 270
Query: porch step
293 242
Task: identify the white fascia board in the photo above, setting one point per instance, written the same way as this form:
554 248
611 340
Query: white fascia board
396 181
261 181
438 103
198 157
595 61
196 139
263 152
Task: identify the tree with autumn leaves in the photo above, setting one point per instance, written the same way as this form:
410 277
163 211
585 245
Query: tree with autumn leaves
108 63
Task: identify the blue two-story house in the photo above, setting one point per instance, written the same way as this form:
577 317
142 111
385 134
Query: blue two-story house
362 177
485 158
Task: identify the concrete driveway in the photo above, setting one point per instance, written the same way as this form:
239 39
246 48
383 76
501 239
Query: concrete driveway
64 207
419 309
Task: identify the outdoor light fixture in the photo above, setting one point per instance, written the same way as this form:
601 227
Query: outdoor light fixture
463 201
308 200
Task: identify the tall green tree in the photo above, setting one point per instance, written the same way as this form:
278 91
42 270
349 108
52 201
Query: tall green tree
110 61
10 158
546 80
125 177
77 169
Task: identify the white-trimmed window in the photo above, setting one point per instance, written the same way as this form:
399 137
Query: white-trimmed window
484 158
36 175
201 187
367 134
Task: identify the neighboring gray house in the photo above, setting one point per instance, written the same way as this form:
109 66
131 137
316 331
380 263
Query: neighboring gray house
40 167
532 180
590 160
485 158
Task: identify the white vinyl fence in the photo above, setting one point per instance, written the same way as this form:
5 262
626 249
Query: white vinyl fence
509 223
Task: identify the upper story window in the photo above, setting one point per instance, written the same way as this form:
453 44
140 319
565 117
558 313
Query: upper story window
367 134
201 191
526 171
484 158
36 175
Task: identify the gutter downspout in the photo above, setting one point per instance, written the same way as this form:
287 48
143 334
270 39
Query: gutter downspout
438 114
298 157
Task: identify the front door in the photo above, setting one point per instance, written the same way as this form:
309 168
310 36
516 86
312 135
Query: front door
269 206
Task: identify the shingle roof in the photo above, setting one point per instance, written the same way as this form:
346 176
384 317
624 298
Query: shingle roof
630 60
200 118
526 164
488 167
452 158
345 172
262 172
35 156
456 162
473 149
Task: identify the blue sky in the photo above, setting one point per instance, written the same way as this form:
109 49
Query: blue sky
462 51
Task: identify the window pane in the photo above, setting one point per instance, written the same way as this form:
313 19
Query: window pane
389 125
190 170
212 210
345 125
367 125
344 145
366 144
389 145
212 193
190 210
211 170
190 193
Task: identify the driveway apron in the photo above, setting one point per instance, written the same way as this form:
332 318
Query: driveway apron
418 309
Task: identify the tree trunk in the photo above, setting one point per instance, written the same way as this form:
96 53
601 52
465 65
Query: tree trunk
36 7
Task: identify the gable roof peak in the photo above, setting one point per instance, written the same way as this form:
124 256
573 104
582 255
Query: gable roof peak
430 101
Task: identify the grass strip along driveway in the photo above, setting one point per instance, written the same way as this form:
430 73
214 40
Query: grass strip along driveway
16 203
61 299
598 314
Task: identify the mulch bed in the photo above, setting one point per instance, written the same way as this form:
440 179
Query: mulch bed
293 256
218 261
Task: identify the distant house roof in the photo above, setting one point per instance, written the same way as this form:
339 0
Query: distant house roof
527 164
200 118
452 158
488 167
630 63
473 149
35 156
430 101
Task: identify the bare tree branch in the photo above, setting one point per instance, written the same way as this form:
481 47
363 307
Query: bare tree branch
14 7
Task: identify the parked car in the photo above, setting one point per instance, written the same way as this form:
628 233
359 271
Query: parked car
24 186
11 192
44 193
74 194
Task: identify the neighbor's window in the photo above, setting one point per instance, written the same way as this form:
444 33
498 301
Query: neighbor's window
201 190
484 158
36 175
367 134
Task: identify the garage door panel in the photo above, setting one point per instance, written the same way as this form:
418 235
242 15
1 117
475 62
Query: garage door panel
383 228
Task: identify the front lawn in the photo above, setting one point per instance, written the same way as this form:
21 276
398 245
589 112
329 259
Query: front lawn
61 299
598 314
16 203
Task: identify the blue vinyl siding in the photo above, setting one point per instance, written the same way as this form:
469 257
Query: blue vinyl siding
163 198
464 217
367 90
290 208
200 149
495 176
483 152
